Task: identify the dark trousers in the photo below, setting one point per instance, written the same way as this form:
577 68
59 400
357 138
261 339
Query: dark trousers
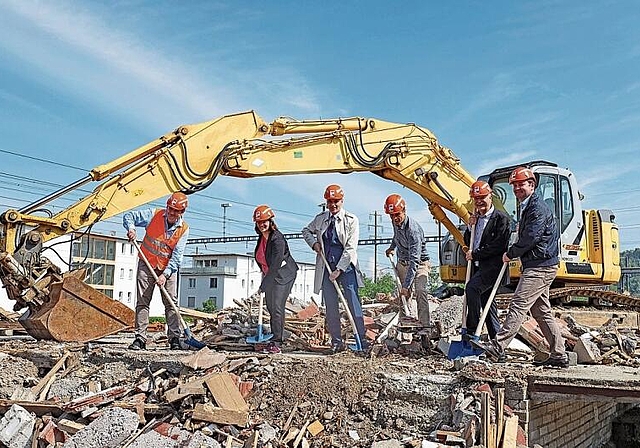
477 294
349 283
275 298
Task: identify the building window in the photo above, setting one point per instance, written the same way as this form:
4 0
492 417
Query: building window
111 250
124 249
199 263
192 283
120 296
191 302
130 274
243 283
213 282
131 249
129 297
122 273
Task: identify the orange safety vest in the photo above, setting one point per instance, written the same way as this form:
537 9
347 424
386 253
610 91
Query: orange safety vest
157 246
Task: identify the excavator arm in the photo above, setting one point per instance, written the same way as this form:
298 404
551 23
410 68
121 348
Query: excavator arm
241 145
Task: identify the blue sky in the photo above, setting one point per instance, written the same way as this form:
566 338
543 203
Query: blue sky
498 82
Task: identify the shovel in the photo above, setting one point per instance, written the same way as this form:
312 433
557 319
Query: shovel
356 336
405 305
260 336
467 349
189 339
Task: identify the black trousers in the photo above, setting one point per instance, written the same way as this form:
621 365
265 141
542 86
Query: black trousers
477 293
276 298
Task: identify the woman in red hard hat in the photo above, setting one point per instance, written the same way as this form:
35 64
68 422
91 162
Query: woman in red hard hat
279 271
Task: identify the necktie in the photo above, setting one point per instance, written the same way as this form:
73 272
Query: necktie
331 230
481 222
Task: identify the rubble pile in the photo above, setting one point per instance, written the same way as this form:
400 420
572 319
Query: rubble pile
101 394
343 400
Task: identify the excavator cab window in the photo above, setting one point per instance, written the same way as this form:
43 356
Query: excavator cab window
567 204
547 188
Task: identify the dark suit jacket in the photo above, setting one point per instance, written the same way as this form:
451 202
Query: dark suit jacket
538 236
493 243
282 266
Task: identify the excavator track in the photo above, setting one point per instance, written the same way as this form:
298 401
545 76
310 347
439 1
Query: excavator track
601 296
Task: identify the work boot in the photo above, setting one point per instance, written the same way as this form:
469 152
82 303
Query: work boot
491 350
138 344
562 362
174 344
338 347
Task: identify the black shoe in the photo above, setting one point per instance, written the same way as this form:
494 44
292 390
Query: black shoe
138 344
174 344
338 347
490 349
562 363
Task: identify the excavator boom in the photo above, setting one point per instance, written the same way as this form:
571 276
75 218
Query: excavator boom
189 159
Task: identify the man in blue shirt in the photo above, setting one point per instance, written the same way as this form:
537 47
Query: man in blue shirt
163 245
413 260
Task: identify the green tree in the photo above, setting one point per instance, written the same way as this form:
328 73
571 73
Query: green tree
385 284
631 282
208 306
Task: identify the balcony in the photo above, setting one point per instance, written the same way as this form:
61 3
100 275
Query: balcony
218 270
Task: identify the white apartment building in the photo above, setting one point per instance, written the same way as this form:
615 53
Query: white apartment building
223 278
111 264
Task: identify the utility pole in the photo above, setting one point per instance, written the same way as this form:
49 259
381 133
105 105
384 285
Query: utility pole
224 218
375 226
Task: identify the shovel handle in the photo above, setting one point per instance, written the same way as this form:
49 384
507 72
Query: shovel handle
485 311
405 305
344 303
163 290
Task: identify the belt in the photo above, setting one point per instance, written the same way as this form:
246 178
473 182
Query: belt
407 262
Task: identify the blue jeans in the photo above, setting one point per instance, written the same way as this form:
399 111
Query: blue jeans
349 283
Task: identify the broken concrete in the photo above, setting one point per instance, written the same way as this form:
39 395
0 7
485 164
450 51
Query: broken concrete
107 431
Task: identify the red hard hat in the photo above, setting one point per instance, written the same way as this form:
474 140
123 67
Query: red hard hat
521 173
178 201
480 189
263 213
394 204
333 192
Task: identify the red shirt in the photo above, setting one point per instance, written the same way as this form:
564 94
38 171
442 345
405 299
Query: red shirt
261 255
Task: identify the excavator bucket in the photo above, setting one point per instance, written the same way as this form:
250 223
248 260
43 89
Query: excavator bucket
75 312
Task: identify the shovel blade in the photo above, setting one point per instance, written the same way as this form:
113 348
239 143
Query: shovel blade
462 349
259 337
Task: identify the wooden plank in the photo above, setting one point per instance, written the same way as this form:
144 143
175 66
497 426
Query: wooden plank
510 432
39 408
226 393
491 443
485 405
35 390
499 414
208 413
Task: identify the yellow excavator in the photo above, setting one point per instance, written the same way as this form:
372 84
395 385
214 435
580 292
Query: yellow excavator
62 307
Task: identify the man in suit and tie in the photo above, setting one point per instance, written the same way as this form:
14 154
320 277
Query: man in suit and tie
335 234
490 241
